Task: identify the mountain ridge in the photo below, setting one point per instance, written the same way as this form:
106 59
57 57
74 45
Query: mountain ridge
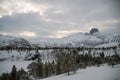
82 39
10 41
74 40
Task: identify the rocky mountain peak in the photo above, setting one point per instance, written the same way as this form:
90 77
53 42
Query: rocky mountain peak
94 30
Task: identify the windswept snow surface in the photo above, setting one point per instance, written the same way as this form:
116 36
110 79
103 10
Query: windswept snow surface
92 73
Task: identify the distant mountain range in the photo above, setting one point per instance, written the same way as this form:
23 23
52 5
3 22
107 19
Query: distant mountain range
76 40
81 39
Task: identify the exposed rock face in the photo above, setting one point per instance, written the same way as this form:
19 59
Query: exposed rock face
94 30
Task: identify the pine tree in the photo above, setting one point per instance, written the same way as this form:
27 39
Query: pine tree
50 68
102 55
86 59
53 68
14 73
39 70
5 76
22 74
68 64
36 68
98 61
46 69
58 65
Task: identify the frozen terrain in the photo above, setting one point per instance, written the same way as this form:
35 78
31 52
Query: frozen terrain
103 72
75 40
13 41
79 39
6 66
8 58
17 58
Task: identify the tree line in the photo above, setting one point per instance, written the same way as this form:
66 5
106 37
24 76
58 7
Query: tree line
15 75
69 61
66 61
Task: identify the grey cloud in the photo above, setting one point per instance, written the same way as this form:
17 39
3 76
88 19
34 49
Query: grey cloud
29 22
76 14
19 21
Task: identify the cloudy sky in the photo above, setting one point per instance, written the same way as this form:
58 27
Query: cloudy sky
57 18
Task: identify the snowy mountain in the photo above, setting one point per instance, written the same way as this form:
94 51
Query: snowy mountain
84 39
76 40
81 39
13 41
107 37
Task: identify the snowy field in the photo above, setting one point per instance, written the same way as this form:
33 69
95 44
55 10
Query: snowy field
103 72
17 58
6 66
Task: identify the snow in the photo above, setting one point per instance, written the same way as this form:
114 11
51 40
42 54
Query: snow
91 73
6 66
18 59
107 45
14 41
78 40
107 37
12 58
75 40
12 55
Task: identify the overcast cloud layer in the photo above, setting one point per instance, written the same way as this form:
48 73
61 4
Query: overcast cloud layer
57 18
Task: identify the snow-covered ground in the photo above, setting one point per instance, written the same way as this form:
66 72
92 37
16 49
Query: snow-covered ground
107 45
12 55
92 73
17 58
12 58
6 66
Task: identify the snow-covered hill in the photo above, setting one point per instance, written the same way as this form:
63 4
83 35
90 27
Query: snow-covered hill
112 44
75 40
81 39
13 41
84 39
107 37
